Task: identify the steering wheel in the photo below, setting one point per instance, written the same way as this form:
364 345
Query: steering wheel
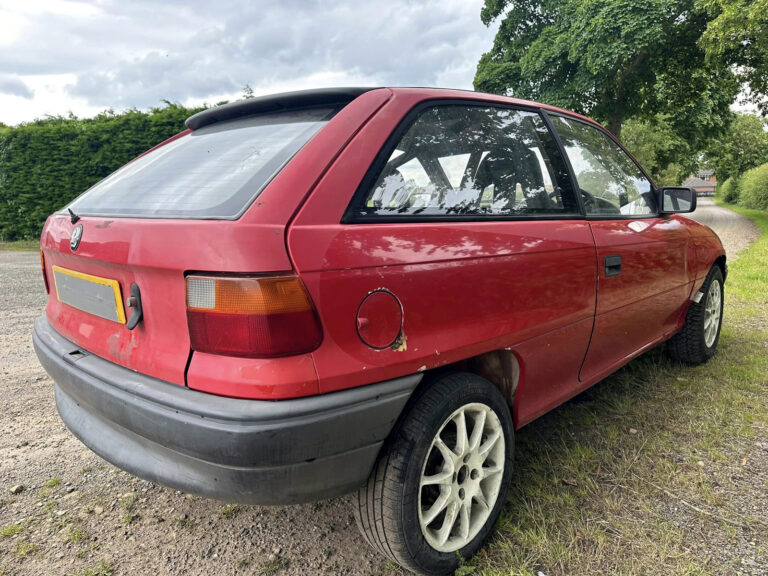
554 196
589 199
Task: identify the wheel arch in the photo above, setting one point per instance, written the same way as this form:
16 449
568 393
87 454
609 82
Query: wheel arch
721 262
504 368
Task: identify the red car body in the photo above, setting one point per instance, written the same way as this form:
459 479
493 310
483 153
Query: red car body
536 287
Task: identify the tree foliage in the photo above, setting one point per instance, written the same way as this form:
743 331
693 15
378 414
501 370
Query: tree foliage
612 60
753 188
743 147
728 190
46 163
660 150
737 35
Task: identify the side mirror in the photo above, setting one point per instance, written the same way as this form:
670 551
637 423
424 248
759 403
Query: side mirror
676 200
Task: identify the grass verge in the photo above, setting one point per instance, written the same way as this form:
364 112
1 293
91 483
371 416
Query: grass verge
20 245
661 468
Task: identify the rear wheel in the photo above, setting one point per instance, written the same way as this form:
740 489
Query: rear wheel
697 341
440 482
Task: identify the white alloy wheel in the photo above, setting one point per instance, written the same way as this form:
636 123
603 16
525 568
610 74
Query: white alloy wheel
712 313
461 477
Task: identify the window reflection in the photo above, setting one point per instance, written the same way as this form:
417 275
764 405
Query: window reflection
610 182
471 160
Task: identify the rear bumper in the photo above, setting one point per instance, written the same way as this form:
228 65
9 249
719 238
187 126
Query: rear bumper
247 451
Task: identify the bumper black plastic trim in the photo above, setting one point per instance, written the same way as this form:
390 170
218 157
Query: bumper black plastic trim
249 451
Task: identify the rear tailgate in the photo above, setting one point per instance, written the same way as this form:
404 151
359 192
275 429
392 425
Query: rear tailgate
154 254
212 201
173 210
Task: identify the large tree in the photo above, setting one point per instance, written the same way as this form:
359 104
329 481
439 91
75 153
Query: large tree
659 149
743 147
613 60
737 35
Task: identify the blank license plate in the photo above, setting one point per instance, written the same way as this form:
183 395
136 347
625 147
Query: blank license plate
93 294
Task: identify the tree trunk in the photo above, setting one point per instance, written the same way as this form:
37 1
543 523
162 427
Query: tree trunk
614 124
617 117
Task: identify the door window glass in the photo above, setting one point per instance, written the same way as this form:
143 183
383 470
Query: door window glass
472 160
610 182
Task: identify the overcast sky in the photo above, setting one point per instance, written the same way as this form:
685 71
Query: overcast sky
58 56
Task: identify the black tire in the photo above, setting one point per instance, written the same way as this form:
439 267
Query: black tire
386 508
689 345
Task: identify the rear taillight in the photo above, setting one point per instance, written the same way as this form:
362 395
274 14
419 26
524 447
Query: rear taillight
45 276
253 317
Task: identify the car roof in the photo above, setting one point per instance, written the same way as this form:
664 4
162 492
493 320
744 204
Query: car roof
341 96
455 93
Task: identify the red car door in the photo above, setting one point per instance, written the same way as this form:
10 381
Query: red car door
464 236
643 276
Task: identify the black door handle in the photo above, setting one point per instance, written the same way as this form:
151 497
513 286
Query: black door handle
612 265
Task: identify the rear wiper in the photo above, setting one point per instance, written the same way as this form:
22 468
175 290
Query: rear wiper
73 217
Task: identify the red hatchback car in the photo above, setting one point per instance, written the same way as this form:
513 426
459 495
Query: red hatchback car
320 292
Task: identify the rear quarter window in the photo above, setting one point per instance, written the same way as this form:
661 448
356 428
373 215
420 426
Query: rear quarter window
214 172
467 161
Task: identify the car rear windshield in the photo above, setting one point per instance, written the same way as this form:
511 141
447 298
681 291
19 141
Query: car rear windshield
214 172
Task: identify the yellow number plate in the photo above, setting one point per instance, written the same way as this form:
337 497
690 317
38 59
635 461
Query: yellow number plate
93 294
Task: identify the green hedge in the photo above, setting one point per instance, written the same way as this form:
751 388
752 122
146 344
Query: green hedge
729 190
46 163
753 188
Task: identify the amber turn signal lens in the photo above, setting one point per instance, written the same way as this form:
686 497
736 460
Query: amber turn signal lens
275 295
251 316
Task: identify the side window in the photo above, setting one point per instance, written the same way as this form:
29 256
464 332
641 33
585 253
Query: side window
471 160
610 182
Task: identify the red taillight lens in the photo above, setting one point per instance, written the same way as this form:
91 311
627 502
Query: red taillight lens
252 317
45 276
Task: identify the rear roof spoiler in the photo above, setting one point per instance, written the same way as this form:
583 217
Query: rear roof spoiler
274 103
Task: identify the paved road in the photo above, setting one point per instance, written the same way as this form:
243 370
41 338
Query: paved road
736 231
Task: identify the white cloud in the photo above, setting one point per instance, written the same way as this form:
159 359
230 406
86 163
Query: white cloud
50 99
116 54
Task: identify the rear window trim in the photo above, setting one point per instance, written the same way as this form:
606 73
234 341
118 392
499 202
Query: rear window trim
382 157
89 214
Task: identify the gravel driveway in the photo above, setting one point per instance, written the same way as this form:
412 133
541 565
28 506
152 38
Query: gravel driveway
735 231
97 513
78 511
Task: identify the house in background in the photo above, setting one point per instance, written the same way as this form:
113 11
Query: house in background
703 182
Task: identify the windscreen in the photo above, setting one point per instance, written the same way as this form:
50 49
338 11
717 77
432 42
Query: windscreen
213 172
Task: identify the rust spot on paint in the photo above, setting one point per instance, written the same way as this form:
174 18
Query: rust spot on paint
501 368
401 343
104 224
